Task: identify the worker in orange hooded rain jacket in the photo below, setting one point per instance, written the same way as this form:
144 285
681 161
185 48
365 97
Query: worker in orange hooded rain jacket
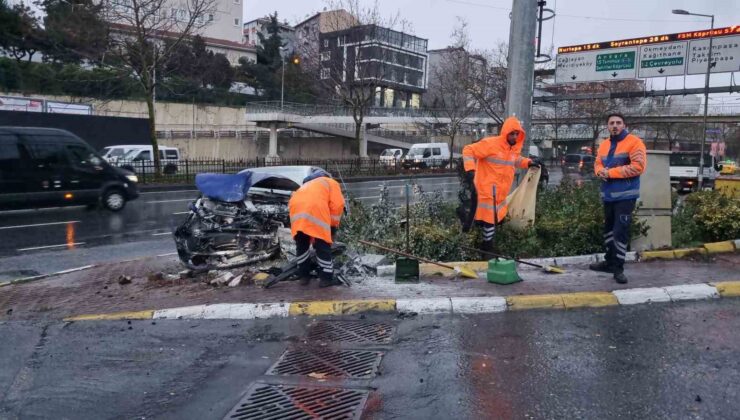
491 162
315 211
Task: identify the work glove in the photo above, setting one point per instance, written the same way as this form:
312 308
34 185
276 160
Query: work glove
470 176
535 163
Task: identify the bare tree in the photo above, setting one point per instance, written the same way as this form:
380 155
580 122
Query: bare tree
452 80
355 66
145 34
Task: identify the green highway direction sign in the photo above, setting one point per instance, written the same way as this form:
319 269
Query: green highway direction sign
654 59
591 66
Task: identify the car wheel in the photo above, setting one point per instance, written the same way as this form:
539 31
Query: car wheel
114 200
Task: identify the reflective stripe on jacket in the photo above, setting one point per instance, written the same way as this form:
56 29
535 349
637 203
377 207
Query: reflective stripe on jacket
494 162
625 158
316 207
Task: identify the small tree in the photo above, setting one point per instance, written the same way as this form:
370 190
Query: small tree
142 27
451 80
21 36
75 30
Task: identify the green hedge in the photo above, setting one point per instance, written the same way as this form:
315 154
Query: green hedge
705 216
103 83
569 221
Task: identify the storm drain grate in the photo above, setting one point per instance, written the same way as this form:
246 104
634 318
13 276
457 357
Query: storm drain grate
352 332
327 363
265 402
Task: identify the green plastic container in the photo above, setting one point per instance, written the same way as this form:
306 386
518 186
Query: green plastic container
407 270
502 271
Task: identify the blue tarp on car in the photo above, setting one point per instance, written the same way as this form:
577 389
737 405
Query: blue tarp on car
234 187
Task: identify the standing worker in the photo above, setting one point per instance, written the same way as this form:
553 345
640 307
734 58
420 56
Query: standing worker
620 162
491 162
315 211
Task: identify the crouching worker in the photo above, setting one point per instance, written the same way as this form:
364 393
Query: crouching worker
315 211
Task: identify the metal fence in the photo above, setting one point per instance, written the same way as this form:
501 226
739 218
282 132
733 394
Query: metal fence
184 170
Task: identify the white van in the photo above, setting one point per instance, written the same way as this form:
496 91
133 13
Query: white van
140 160
113 153
427 155
390 157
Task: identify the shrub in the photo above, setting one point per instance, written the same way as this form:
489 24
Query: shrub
705 216
569 222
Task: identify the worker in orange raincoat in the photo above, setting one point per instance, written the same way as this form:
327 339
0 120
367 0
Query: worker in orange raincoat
315 211
491 162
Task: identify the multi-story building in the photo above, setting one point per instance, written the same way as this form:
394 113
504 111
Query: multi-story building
220 28
392 61
307 34
252 28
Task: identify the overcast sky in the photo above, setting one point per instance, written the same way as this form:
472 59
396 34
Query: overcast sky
576 21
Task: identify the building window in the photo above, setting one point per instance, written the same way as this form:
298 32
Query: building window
341 41
326 56
210 17
236 21
326 43
237 1
325 73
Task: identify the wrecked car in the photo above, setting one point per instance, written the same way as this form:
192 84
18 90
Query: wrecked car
235 220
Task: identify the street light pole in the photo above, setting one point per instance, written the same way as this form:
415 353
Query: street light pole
282 79
706 92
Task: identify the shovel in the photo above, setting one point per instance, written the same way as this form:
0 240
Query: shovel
547 268
463 271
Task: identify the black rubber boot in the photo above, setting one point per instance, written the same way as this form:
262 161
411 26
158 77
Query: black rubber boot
329 282
620 278
602 266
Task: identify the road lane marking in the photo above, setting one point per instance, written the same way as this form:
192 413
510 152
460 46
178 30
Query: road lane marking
39 224
167 255
51 246
161 234
181 212
167 192
180 200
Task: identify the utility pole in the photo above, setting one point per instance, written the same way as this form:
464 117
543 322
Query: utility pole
520 86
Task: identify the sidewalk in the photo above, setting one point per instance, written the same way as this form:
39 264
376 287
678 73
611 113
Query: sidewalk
96 290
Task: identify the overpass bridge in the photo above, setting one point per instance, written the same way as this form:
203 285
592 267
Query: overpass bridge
338 121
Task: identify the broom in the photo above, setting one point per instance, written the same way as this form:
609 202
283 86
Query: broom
547 268
463 271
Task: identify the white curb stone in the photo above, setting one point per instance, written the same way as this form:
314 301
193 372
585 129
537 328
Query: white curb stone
424 306
477 305
186 312
260 310
217 311
386 270
737 244
642 295
691 292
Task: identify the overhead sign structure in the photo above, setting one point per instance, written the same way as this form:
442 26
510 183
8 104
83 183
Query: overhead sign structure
654 56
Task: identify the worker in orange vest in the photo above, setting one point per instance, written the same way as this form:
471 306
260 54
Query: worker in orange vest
315 211
490 164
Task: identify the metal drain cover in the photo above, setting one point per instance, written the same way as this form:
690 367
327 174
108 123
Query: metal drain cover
327 363
352 332
264 401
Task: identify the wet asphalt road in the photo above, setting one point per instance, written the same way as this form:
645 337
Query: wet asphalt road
49 240
659 361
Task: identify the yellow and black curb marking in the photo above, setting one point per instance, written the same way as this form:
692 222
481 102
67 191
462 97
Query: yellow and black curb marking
492 304
708 248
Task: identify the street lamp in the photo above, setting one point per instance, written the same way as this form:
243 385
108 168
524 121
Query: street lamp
282 78
706 91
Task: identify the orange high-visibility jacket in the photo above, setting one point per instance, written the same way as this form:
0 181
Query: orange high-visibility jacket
494 163
316 207
625 159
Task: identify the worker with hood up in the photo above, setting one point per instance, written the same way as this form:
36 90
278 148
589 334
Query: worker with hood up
491 162
315 211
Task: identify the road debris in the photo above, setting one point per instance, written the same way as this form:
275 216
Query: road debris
155 277
236 280
122 280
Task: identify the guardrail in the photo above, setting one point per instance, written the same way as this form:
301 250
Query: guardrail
184 170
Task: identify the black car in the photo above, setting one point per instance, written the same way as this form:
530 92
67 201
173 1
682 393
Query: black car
45 167
578 163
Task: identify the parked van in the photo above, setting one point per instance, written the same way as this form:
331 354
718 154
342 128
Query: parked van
112 153
427 155
47 167
140 160
390 157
